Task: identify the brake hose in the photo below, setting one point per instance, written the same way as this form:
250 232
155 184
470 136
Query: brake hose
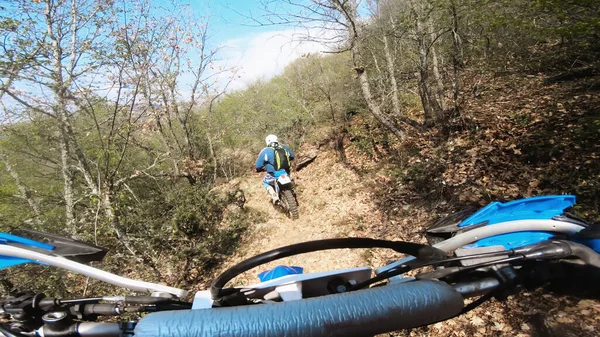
421 252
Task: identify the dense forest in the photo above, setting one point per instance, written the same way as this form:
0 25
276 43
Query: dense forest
101 141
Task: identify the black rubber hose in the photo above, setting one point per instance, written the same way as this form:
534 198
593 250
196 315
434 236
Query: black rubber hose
421 252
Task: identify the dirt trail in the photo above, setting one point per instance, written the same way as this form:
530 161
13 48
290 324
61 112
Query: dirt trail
333 203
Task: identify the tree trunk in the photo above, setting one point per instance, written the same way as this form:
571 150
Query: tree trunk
392 73
424 92
337 129
69 144
212 156
430 105
211 147
436 69
68 192
24 192
375 110
456 59
348 10
60 110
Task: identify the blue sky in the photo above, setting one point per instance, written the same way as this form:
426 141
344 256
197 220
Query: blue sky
227 17
259 52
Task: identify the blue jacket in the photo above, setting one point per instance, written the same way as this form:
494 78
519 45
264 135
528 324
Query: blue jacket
266 158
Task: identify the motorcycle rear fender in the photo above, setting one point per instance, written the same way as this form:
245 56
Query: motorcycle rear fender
279 185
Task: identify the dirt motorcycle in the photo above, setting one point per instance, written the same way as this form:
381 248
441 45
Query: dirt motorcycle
284 188
494 252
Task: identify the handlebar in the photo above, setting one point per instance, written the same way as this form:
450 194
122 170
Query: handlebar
361 313
403 303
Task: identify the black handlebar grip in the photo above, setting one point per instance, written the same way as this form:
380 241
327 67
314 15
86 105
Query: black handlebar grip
360 313
104 309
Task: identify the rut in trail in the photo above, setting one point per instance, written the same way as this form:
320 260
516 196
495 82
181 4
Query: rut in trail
332 203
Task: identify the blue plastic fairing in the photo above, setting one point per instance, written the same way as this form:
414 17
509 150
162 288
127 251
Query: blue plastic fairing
536 208
8 261
512 240
10 239
6 238
279 271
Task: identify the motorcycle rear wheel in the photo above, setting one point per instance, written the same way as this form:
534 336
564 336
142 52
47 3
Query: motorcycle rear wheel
290 204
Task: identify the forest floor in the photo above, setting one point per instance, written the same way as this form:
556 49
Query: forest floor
517 137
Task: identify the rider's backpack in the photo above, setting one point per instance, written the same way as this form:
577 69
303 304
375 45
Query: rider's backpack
282 159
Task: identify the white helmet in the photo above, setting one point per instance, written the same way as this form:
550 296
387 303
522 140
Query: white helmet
271 139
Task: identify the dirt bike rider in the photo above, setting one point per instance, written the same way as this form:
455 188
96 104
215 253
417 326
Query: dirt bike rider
272 158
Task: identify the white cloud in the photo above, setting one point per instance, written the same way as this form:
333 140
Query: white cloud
264 55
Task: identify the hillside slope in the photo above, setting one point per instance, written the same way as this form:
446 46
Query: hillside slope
519 138
335 202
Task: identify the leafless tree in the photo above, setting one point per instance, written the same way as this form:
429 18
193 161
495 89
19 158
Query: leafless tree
340 17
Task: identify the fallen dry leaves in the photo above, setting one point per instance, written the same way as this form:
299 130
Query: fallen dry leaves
518 139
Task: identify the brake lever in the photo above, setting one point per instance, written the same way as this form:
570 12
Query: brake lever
561 249
585 253
555 249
